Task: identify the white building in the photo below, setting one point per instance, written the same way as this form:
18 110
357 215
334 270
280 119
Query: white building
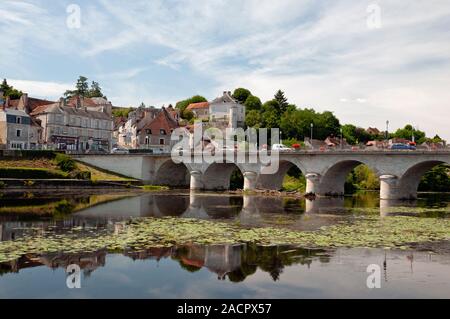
17 130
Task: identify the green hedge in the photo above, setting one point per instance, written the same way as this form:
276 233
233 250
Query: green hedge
30 173
65 163
29 154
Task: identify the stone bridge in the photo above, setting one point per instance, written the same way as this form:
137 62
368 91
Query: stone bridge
399 171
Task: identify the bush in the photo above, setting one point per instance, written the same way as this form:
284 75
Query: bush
65 162
76 174
29 173
28 154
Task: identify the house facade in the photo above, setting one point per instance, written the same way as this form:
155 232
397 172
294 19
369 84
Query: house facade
156 134
200 110
74 128
17 130
225 111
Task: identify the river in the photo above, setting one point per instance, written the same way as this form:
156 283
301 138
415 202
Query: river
219 271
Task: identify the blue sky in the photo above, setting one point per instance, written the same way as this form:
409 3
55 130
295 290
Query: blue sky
323 54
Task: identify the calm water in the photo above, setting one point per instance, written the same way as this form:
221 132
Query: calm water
226 271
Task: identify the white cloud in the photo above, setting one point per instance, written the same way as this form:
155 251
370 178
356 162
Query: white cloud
322 54
50 90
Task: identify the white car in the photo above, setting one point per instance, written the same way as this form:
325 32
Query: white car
118 150
281 148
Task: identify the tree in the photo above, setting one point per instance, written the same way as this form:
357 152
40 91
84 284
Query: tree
407 133
355 135
437 180
252 103
182 105
253 119
282 101
241 94
96 90
9 91
82 89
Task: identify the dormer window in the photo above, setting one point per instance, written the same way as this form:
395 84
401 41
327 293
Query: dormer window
148 131
162 132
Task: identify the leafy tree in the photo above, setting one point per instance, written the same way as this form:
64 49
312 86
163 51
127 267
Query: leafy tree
407 133
252 103
95 90
253 119
436 180
82 89
241 94
187 115
355 135
122 112
282 101
182 105
10 91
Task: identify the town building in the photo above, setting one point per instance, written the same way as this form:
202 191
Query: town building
156 134
76 127
200 110
225 111
17 130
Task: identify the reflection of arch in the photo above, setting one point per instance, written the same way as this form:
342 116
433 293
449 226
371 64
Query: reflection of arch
222 206
172 174
410 180
275 181
333 180
218 176
171 205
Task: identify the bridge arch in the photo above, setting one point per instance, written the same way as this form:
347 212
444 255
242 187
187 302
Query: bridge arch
332 182
217 176
275 181
408 183
172 174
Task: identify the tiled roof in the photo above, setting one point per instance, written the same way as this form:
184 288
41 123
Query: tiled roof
56 108
197 106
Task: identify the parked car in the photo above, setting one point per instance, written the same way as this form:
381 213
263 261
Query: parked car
118 150
399 146
281 148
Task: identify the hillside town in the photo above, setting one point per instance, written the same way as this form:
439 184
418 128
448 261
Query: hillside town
81 124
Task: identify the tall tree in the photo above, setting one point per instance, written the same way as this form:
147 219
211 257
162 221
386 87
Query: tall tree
95 90
241 94
282 101
82 89
252 103
10 91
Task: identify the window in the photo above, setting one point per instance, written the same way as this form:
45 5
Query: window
18 120
161 141
147 140
162 132
148 131
18 133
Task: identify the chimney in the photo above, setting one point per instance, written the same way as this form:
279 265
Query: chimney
78 104
7 101
25 100
61 102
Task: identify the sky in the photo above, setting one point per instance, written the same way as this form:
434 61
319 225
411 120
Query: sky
366 61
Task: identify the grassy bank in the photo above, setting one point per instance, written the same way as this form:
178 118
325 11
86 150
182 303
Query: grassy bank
56 166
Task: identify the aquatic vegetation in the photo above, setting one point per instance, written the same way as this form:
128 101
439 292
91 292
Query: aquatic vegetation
143 233
154 188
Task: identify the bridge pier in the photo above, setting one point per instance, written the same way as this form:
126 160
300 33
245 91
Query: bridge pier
312 183
250 179
390 188
196 180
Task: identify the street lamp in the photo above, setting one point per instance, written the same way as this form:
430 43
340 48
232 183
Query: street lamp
342 139
387 130
281 137
312 128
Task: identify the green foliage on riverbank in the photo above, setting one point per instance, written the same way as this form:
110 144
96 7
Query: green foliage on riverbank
30 173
